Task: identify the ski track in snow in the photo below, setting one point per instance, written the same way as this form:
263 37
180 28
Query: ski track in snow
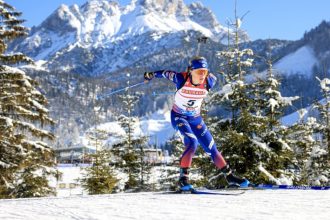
267 204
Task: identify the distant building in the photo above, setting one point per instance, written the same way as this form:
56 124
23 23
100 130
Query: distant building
75 154
154 156
80 154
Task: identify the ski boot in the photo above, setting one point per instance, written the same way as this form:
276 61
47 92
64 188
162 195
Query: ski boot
184 185
233 180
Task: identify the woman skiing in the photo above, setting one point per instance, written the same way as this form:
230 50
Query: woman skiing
192 87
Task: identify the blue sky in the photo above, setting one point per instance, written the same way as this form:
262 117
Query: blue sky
281 19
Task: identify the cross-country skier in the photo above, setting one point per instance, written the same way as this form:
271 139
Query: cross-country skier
192 87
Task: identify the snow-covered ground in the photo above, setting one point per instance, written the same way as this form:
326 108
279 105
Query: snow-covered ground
281 204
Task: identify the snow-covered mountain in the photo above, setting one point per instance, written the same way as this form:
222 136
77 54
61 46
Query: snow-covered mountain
102 37
104 40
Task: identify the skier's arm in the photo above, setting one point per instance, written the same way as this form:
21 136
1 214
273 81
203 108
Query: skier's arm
211 80
168 74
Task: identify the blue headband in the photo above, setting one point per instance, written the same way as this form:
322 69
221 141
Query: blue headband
198 64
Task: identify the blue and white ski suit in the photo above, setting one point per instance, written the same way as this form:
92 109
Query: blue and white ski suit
185 116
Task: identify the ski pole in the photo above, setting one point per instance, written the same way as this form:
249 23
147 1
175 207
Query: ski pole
200 40
162 93
119 90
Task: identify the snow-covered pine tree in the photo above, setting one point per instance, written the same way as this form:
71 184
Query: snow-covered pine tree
325 111
319 162
270 105
235 132
302 139
129 153
242 134
26 161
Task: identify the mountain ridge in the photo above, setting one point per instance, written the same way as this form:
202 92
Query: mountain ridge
104 25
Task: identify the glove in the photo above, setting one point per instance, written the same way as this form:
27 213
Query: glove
149 75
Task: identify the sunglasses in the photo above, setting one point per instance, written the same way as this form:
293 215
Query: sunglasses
200 72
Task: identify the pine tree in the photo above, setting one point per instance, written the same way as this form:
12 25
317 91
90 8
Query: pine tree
170 173
99 178
26 161
250 136
129 153
319 163
269 107
145 167
235 132
303 141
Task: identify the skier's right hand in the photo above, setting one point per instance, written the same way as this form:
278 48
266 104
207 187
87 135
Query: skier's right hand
149 75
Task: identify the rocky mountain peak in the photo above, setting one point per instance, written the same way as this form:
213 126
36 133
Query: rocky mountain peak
170 7
101 31
61 21
203 16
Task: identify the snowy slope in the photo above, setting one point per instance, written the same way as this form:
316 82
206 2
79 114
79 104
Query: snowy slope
301 61
301 114
254 205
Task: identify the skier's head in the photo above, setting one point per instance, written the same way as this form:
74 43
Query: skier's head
199 71
198 63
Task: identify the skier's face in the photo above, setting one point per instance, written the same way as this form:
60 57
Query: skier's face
199 75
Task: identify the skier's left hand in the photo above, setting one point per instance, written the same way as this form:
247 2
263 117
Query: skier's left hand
149 75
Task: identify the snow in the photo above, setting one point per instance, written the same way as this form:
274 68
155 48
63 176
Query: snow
8 69
69 184
226 91
267 204
261 145
273 104
292 118
284 145
104 24
39 106
135 22
38 65
277 181
159 127
57 43
4 165
112 129
9 122
301 61
301 115
325 83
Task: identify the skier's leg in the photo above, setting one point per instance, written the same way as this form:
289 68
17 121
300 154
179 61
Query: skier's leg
206 140
190 142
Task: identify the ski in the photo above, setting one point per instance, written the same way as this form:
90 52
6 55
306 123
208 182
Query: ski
276 187
290 187
214 192
206 192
